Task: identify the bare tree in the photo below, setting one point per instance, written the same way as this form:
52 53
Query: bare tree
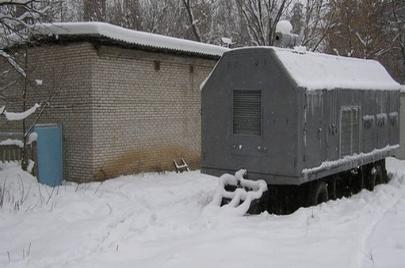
66 11
193 22
394 52
312 20
18 20
125 13
210 20
372 29
356 31
261 18
94 10
159 16
297 17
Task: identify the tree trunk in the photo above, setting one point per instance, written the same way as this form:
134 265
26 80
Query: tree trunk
193 25
24 160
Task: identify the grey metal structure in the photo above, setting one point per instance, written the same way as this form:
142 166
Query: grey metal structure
287 40
257 116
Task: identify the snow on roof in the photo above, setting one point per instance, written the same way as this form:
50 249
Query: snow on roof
322 71
128 36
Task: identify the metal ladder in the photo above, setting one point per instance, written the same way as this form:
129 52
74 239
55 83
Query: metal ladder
182 166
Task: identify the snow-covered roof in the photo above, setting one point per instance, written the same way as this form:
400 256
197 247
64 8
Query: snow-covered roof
313 71
132 37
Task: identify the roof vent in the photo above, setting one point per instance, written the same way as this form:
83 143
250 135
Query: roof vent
284 37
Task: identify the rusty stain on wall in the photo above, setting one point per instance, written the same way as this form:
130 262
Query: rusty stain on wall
157 159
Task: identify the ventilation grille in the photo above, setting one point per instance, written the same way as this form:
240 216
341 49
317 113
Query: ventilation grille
350 132
247 114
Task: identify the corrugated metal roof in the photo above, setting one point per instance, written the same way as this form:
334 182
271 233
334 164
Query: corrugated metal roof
132 37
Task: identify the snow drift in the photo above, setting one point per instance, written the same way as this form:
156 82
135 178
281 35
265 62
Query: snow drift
157 220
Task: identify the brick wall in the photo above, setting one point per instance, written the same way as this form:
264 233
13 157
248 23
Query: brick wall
122 110
147 110
65 71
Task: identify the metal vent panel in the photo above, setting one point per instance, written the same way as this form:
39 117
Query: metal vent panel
247 112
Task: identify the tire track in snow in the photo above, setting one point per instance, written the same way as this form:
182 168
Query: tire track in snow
364 253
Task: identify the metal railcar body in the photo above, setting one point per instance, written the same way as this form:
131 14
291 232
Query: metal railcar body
290 117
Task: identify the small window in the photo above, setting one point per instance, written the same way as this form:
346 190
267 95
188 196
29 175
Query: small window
247 112
156 65
349 131
368 121
381 119
393 118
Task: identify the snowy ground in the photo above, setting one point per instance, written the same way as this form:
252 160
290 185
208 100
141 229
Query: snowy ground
161 220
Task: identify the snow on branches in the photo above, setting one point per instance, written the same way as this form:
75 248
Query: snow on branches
17 23
10 116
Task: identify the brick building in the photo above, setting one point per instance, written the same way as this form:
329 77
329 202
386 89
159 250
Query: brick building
128 101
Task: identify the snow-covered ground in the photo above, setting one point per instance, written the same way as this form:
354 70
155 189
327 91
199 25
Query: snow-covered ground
162 220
